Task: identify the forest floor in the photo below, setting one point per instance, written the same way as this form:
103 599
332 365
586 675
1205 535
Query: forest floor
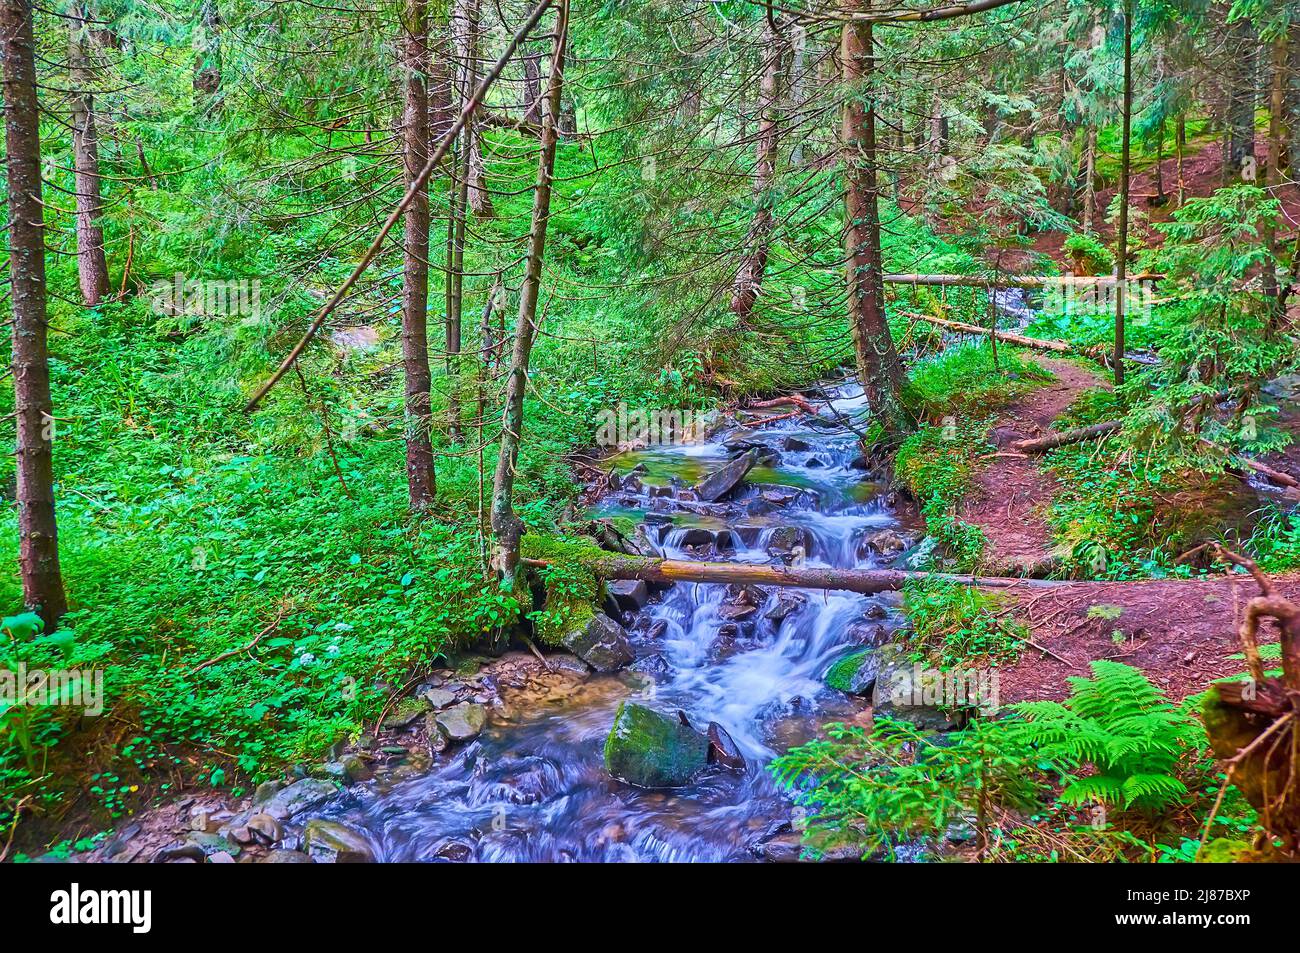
1181 632
1011 494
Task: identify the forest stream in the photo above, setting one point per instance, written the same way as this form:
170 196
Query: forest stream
533 785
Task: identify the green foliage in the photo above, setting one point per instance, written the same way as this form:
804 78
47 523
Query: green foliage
1122 730
957 625
1089 256
877 791
1115 741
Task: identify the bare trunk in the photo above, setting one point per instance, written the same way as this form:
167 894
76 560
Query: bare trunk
1180 144
1241 101
467 51
1121 255
506 526
1090 180
38 553
420 476
749 278
441 92
799 42
533 88
865 581
92 267
1273 174
878 365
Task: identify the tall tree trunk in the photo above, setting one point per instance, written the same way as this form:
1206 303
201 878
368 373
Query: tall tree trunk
207 69
749 277
1090 180
38 552
799 44
92 267
1180 144
533 88
1273 168
1121 255
877 360
506 526
420 477
441 91
1241 100
480 203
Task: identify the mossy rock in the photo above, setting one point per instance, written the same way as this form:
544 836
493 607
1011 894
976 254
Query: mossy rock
650 749
855 673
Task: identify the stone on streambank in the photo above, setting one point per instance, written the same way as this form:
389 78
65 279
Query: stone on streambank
329 842
726 478
274 804
650 749
462 722
601 642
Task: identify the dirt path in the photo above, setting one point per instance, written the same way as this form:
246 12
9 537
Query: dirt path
1011 494
1180 632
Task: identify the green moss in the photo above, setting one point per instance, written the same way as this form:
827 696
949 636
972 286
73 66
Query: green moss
840 675
572 590
653 750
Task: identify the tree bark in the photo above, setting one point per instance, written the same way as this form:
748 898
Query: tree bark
38 553
92 266
753 266
420 474
876 357
480 203
1241 98
1121 256
865 581
1273 168
532 88
506 526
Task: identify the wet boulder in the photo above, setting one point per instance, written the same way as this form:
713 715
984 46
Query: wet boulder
726 478
601 642
785 540
787 603
628 594
885 543
855 673
329 842
723 751
652 749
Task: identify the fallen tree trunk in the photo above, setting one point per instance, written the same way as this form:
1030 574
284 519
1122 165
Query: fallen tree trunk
1060 439
865 581
1057 347
791 400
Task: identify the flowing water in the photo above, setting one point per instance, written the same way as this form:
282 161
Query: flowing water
533 785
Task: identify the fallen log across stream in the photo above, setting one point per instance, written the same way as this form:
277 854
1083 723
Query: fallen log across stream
1056 347
864 581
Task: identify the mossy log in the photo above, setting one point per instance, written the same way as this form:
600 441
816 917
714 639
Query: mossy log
866 581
